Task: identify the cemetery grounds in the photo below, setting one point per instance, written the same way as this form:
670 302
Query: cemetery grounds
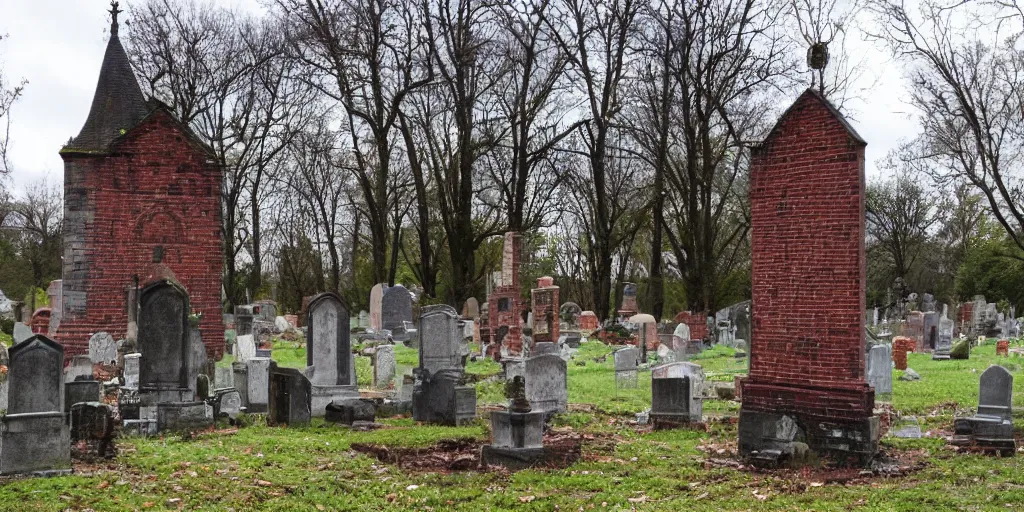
623 465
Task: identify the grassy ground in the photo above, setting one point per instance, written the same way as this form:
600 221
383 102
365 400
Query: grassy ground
624 467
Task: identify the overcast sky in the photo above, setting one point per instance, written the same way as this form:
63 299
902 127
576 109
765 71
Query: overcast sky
57 45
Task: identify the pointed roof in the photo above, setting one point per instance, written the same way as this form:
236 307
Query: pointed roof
118 103
813 94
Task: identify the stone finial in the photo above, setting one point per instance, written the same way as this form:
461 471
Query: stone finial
114 11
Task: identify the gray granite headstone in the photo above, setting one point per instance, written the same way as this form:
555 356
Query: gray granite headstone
22 332
245 348
131 370
440 337
626 367
34 434
258 392
880 369
81 391
383 366
396 309
547 382
102 348
222 378
35 376
228 403
290 397
328 346
163 336
995 393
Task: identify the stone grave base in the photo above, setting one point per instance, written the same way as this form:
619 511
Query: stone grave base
324 395
37 443
985 433
179 416
773 439
350 411
443 402
662 421
151 397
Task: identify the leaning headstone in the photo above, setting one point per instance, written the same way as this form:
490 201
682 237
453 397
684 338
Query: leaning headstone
102 349
328 353
92 425
281 324
290 397
21 332
992 426
34 436
227 403
383 366
626 367
547 381
880 369
396 310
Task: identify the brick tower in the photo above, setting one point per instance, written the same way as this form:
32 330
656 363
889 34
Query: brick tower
807 377
140 191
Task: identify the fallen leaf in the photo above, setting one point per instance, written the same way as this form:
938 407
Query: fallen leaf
412 487
526 499
104 484
264 483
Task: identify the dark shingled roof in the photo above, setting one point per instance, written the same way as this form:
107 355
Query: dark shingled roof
118 103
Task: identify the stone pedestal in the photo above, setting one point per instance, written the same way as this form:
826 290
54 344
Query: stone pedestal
440 399
517 440
183 416
38 443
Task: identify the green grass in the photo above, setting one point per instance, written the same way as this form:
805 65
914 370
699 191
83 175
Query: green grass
625 467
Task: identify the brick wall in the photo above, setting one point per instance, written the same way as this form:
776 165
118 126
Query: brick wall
808 266
155 188
545 311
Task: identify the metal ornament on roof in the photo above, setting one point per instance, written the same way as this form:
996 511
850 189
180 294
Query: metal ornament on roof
817 56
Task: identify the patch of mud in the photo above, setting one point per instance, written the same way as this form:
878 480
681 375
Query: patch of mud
464 454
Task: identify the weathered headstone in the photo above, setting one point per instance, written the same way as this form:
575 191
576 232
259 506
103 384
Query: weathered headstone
328 353
569 314
671 402
102 349
290 397
81 391
626 360
21 332
944 338
258 388
471 310
992 426
227 403
376 297
383 366
695 378
92 424
364 320
165 344
34 436
440 394
245 348
222 378
396 310
131 370
880 369
547 381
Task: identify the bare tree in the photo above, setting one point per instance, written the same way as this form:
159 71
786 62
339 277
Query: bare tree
899 214
966 74
828 23
454 119
596 36
9 93
367 56
38 216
